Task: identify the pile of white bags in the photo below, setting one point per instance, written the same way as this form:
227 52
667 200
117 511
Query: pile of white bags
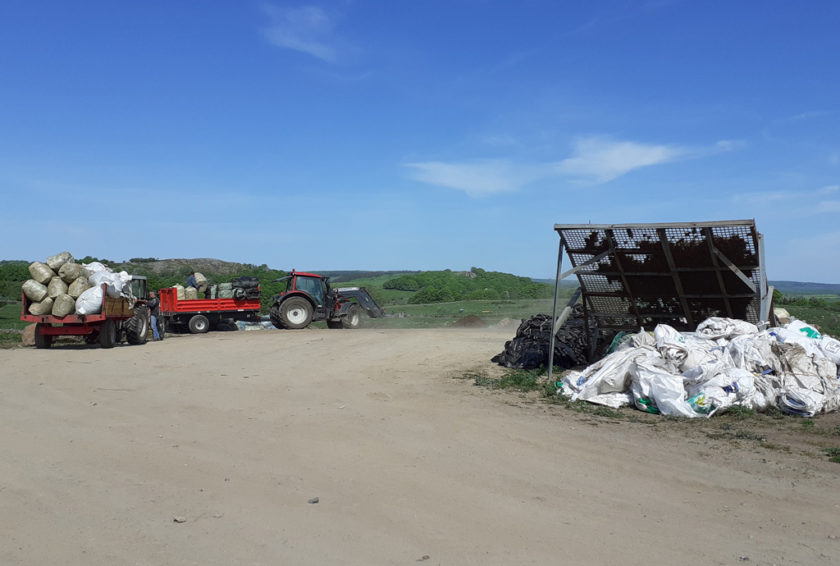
60 286
725 362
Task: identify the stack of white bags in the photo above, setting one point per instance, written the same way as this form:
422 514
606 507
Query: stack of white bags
725 362
61 287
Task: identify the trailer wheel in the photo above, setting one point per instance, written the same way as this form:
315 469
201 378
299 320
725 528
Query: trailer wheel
108 334
199 324
295 313
137 327
42 340
352 319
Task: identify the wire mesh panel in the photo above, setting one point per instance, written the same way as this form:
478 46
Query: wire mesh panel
640 275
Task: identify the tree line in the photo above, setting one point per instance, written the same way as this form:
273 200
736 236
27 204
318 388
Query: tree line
477 284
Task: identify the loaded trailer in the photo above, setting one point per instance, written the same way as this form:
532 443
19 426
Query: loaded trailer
200 315
117 317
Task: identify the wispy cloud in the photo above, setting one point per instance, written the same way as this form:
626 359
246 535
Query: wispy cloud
794 197
594 160
600 160
307 29
477 178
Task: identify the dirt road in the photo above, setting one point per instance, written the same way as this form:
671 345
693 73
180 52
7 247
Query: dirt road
363 447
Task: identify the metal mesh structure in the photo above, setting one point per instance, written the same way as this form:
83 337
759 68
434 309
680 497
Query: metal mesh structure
640 275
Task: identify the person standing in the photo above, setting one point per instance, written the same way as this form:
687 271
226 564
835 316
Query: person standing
154 310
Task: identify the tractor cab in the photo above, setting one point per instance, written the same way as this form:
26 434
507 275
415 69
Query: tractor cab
138 287
309 298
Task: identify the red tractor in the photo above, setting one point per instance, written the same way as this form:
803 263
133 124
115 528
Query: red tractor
309 298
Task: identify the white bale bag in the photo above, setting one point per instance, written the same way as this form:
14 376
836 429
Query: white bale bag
803 328
63 305
34 291
670 343
179 292
94 267
109 278
41 272
830 347
69 272
90 302
79 286
718 327
57 260
124 286
656 390
56 287
190 293
42 308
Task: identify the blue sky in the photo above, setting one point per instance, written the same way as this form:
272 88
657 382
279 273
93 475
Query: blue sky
418 134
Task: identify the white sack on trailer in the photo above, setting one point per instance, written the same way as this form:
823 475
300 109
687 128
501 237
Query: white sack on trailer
90 301
94 267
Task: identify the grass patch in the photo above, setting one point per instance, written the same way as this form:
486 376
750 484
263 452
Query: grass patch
833 454
9 338
514 380
10 317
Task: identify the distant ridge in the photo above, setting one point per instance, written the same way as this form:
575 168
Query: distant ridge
805 288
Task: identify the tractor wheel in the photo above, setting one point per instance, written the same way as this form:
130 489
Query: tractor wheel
295 312
199 324
274 315
42 340
352 319
137 327
108 334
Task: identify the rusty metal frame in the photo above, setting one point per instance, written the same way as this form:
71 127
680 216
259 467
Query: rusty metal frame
635 276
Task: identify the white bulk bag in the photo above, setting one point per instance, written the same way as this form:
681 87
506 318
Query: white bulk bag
94 267
90 302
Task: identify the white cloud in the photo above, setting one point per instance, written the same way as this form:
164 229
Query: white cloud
594 160
829 189
478 178
601 160
307 29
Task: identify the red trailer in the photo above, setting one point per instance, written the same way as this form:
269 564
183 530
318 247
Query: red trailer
117 315
200 315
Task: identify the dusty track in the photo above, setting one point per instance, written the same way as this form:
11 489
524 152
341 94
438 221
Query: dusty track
211 450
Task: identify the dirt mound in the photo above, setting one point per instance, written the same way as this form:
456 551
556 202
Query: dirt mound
470 321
